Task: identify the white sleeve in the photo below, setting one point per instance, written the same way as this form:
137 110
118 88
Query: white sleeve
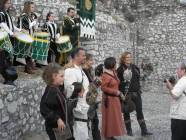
5 27
32 24
17 29
179 88
57 35
80 109
69 79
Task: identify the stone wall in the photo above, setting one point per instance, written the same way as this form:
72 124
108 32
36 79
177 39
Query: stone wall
153 30
150 29
59 7
161 39
159 30
113 33
19 108
113 36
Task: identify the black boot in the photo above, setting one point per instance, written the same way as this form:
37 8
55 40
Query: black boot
144 131
10 75
129 129
113 138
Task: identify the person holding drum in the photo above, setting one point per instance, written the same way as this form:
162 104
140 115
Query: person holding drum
28 22
51 27
28 19
71 26
7 34
6 21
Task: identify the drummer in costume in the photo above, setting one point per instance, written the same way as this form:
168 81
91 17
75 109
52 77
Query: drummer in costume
71 27
6 24
28 22
51 27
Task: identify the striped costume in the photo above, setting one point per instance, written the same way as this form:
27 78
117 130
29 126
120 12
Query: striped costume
6 23
26 21
8 72
51 27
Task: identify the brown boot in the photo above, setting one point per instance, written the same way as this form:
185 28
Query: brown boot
128 127
28 68
33 65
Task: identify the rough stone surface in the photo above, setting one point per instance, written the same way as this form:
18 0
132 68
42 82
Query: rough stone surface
12 107
113 34
1 104
157 33
20 113
163 42
150 29
153 30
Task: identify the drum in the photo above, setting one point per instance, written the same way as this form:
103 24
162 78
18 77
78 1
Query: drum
40 50
42 35
23 45
63 44
5 42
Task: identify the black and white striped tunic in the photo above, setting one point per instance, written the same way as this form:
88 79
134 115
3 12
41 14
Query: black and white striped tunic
51 28
7 19
24 22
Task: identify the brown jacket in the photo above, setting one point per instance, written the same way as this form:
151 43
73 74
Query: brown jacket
112 122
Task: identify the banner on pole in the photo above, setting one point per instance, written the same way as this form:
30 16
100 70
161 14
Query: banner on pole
86 10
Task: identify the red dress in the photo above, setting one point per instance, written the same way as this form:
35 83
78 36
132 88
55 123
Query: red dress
112 122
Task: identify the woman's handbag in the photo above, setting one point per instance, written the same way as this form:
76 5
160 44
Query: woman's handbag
92 93
66 133
92 110
128 105
63 135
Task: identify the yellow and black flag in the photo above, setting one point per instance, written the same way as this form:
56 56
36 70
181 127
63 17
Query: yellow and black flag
86 10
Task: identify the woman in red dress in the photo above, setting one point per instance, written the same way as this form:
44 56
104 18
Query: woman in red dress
112 122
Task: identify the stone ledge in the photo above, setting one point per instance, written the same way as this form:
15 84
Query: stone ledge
19 106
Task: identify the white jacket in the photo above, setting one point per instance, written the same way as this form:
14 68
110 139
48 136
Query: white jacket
178 106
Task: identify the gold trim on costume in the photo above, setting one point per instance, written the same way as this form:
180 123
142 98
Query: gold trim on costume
41 40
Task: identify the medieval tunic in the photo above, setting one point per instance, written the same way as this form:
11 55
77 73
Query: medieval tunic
27 22
52 108
6 23
71 28
52 29
112 122
133 88
76 74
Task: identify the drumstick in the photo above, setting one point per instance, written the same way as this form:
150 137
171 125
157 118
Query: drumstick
78 40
